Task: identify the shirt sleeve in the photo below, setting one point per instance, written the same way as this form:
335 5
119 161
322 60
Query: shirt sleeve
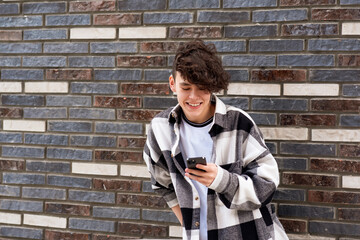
250 183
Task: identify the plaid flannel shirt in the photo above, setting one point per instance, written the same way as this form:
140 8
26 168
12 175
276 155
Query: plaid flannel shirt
239 197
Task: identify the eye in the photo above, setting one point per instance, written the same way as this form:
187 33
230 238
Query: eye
185 89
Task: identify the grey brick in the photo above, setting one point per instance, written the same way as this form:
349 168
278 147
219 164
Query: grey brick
89 196
350 120
69 154
44 193
222 17
47 166
46 139
20 48
91 225
131 5
22 74
283 104
272 147
8 9
91 61
16 151
306 60
159 102
334 45
73 182
351 90
10 138
97 141
127 75
264 118
28 21
45 34
116 212
119 128
97 88
276 45
25 100
238 75
314 212
306 149
9 191
66 47
45 113
21 205
21 232
334 75
159 216
245 4
44 61
89 113
249 60
229 46
24 178
68 20
292 163
113 47
284 15
242 103
66 126
188 4
164 18
343 229
250 31
10 61
289 194
147 187
34 8
349 2
68 101
157 75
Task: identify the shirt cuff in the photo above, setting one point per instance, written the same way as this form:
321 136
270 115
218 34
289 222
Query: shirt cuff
218 185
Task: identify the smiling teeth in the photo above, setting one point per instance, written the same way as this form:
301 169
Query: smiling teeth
194 105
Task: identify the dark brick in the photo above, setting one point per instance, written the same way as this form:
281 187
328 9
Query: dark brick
11 165
242 103
223 17
118 128
276 45
168 18
109 237
350 214
68 74
349 2
66 126
263 118
335 14
91 225
159 47
307 60
308 119
195 32
310 29
279 15
88 196
349 60
157 75
294 226
117 19
350 120
71 209
159 102
92 6
44 193
91 61
349 151
68 101
289 194
11 112
52 235
343 229
249 60
120 75
116 212
10 35
35 8
21 205
66 181
118 156
135 5
159 216
278 75
335 165
94 88
141 200
136 115
238 75
67 20
335 105
145 88
47 166
190 4
117 102
116 47
146 230
246 4
90 113
250 31
310 180
334 197
292 163
96 141
70 154
306 2
229 46
141 61
117 185
283 104
334 75
21 232
308 149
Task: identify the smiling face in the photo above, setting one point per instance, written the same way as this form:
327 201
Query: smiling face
194 101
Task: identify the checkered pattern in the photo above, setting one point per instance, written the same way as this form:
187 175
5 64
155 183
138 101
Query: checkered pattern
239 198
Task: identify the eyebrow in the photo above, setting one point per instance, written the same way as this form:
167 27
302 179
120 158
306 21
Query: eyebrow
185 84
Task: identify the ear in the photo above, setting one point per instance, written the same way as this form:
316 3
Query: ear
172 83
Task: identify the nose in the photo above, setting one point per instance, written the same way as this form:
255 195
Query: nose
193 93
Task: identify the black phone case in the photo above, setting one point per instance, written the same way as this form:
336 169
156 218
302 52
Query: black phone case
191 162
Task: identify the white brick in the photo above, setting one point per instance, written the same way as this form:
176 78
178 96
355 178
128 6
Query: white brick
308 237
134 171
351 182
10 87
175 231
95 169
44 221
351 28
254 89
311 89
24 125
284 133
93 33
10 218
142 32
336 135
46 87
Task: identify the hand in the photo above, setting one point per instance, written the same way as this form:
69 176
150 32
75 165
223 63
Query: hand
206 178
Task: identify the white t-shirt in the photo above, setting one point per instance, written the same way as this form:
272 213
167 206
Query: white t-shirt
195 141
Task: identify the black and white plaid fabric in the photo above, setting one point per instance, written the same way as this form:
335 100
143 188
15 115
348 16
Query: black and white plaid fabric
239 198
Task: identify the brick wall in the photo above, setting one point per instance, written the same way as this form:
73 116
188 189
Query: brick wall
80 81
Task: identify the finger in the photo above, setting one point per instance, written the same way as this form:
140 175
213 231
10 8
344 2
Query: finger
201 166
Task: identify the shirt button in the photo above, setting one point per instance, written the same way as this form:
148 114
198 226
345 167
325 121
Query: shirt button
197 224
196 198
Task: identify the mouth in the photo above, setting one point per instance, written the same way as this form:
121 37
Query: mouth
194 104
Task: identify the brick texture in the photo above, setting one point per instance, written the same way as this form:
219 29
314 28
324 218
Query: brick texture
81 80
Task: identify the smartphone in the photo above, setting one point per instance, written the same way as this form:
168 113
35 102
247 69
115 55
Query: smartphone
191 162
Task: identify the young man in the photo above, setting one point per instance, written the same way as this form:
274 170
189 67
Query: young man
229 198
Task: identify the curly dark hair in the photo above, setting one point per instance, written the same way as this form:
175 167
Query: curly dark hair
198 64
